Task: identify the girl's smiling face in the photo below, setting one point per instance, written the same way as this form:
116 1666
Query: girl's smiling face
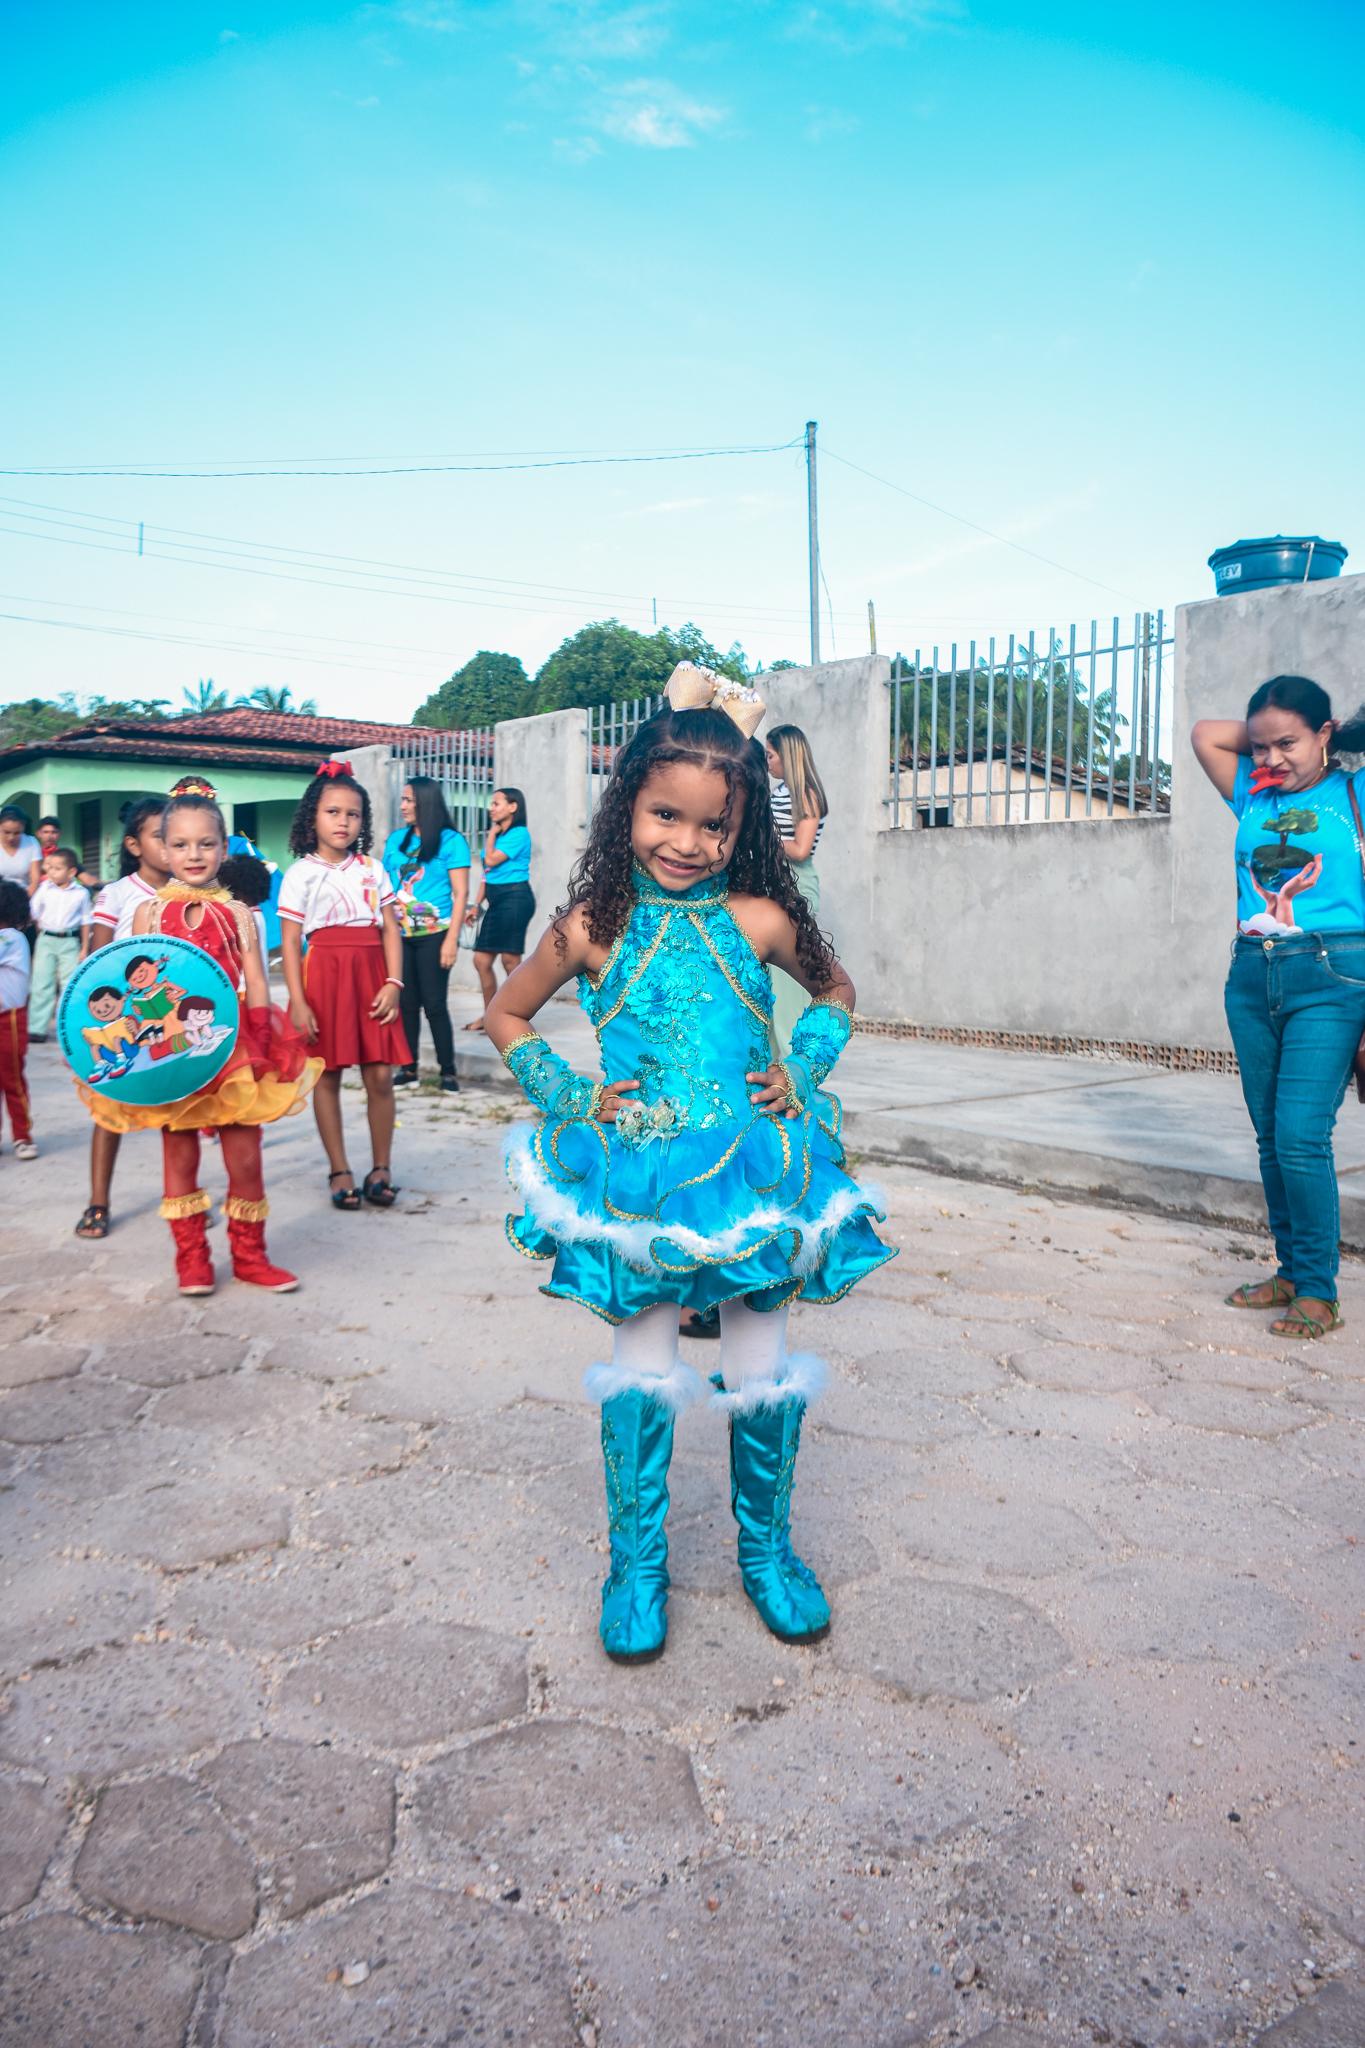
338 822
678 828
194 847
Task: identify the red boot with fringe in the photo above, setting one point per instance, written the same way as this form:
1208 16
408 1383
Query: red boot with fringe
246 1235
188 1218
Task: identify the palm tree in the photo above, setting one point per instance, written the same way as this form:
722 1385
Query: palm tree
270 697
205 697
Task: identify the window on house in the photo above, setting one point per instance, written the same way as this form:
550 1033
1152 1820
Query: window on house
89 816
931 815
244 820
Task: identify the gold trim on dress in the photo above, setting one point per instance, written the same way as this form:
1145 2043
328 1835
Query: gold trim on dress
646 957
751 1007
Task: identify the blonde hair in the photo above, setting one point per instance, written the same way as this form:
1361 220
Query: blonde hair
799 773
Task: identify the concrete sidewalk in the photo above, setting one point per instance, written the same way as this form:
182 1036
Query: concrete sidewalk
1108 1130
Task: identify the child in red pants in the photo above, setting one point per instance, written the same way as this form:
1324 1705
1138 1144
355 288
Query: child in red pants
15 971
268 1075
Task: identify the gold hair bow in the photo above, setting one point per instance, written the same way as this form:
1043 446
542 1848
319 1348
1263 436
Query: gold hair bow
693 688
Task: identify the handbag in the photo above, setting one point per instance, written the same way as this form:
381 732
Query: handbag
1358 1063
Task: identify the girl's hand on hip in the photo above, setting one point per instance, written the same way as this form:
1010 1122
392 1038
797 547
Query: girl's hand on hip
303 1020
384 1008
773 1090
610 1104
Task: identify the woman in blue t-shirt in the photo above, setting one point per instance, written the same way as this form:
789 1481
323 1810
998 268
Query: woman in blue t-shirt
507 899
427 861
1295 996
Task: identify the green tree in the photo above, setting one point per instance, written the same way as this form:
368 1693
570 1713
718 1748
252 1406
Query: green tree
278 697
489 687
609 663
984 711
205 697
42 718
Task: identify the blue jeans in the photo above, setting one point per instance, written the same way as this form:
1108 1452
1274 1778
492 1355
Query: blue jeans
1296 1010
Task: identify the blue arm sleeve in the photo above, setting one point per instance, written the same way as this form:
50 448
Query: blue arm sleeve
821 1033
549 1081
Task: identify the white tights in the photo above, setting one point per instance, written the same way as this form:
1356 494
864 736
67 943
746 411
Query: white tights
751 1344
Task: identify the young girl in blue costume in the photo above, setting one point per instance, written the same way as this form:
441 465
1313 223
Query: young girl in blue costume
699 1173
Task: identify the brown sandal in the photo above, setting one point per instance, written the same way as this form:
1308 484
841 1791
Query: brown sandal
1298 1322
95 1221
1276 1293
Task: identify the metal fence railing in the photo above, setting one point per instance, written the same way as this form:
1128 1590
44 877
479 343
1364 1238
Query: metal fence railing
1033 728
611 727
462 762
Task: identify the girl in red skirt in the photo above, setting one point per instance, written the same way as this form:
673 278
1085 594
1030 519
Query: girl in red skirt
343 993
268 1075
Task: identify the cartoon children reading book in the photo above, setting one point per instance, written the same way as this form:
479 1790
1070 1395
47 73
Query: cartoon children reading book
112 1036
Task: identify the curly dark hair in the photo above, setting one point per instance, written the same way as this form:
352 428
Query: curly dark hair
14 907
601 879
303 833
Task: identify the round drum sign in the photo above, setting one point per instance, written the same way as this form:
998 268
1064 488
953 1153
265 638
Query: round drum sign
148 1021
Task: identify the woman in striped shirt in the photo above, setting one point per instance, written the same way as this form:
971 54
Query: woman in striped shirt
799 812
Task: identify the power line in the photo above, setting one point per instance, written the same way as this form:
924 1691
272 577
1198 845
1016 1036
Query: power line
409 468
193 640
975 526
104 531
405 650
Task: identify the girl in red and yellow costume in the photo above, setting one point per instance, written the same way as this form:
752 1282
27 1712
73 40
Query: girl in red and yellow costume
268 1076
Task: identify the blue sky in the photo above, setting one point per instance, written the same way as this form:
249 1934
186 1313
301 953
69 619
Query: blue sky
1093 279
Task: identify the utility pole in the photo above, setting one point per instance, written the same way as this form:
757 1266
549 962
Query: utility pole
872 624
1145 714
813 536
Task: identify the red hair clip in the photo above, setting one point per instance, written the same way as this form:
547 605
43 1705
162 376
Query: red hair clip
334 768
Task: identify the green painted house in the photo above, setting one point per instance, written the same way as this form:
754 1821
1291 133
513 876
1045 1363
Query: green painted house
258 762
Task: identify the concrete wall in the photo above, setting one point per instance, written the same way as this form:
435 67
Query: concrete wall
376 770
546 757
1112 929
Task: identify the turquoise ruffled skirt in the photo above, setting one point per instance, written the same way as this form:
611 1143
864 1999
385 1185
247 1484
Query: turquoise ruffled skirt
762 1210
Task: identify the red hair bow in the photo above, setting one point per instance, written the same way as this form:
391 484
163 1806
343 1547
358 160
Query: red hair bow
333 768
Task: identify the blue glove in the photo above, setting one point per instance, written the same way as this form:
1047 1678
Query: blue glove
820 1035
549 1081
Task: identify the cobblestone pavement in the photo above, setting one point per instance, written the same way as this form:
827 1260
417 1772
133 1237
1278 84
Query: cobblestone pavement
306 1738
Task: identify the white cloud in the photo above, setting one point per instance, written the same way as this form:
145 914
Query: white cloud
852 25
652 114
576 149
823 124
228 35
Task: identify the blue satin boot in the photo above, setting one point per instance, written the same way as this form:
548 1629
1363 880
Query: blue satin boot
764 1440
637 1444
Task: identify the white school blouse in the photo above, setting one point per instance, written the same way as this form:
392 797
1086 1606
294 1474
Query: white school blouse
118 904
317 895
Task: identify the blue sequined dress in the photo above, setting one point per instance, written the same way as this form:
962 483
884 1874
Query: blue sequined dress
693 1197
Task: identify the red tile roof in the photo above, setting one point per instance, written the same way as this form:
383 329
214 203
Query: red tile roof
291 727
244 737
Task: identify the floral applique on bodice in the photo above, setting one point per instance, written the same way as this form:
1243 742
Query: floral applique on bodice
682 1006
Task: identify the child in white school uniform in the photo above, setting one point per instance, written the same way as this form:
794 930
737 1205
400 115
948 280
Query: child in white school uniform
60 909
343 995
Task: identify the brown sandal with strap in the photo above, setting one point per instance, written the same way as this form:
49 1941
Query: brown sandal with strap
1298 1322
1276 1293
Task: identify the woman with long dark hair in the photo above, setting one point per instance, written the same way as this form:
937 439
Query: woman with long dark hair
800 808
508 903
427 861
1295 996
